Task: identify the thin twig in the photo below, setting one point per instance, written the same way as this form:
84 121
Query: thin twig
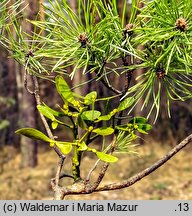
26 83
92 170
38 101
110 87
147 171
100 177
64 175
59 168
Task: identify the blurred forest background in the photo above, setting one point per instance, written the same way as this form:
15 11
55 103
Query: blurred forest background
18 153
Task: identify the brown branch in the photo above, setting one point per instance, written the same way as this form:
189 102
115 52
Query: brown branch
99 179
50 134
38 101
32 92
35 92
59 168
110 87
92 170
148 170
80 186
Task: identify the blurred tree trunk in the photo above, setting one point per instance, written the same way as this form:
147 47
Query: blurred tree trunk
8 101
28 103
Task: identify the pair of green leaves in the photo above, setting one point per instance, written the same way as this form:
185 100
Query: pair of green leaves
32 133
101 155
65 147
135 124
140 123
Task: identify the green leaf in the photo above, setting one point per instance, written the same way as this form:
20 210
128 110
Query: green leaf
126 103
64 90
90 115
138 120
54 125
64 147
82 146
55 113
34 134
142 131
46 112
145 127
104 131
90 98
104 117
106 157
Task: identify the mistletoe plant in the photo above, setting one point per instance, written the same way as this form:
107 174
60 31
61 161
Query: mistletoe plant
82 114
95 40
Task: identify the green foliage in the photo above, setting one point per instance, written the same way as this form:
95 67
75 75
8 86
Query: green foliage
7 11
90 98
163 28
64 147
124 143
95 40
90 115
126 103
46 112
83 116
95 36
